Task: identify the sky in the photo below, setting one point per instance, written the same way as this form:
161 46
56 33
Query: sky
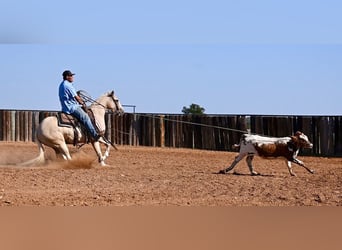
271 57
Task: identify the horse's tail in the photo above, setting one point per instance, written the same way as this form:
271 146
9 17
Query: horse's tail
39 160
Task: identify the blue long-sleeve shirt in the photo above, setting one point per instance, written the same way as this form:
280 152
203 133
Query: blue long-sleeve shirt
67 98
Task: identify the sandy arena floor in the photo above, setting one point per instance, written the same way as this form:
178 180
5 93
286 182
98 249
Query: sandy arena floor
162 176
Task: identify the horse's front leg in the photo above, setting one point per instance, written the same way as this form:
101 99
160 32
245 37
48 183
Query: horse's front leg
97 148
106 153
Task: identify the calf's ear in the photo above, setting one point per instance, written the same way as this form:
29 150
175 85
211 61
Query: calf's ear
298 133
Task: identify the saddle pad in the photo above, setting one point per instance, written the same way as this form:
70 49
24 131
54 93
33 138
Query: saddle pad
66 120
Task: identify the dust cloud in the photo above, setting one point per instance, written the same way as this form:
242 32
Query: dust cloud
80 160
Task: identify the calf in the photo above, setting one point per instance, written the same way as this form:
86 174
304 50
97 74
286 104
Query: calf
287 147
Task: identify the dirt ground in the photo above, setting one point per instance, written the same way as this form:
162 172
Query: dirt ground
162 176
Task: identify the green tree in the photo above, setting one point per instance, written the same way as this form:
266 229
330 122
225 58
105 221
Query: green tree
193 109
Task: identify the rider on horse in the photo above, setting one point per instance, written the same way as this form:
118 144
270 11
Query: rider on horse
73 104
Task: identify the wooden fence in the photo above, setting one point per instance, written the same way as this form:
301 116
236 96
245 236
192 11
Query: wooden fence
211 132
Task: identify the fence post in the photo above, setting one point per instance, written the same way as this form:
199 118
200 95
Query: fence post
13 125
338 136
162 130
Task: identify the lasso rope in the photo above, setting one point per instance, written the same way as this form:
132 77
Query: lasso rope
187 122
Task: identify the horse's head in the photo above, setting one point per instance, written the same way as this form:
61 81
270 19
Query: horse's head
111 101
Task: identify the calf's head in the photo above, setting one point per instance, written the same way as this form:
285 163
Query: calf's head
301 140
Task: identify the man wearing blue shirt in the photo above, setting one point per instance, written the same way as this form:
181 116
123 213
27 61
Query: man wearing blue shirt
72 103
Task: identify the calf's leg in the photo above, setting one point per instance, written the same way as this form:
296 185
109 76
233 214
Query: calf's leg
249 160
290 168
237 159
300 163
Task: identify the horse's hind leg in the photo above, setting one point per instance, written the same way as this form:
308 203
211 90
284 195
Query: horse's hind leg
63 150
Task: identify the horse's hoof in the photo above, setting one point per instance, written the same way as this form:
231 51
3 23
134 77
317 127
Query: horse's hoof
222 171
103 164
106 155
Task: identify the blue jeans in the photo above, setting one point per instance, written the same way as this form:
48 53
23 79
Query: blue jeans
85 121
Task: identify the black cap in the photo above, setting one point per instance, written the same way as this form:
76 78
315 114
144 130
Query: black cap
67 73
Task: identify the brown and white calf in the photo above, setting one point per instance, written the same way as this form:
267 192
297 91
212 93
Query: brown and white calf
287 147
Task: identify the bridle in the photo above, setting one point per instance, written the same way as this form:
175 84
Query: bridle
116 102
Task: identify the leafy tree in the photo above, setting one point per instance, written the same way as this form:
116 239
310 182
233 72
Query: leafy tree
193 109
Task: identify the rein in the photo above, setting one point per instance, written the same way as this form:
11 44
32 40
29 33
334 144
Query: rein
87 98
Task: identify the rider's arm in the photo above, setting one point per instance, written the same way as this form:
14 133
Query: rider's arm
80 101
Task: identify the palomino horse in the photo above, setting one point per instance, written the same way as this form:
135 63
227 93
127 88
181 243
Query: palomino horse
56 137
